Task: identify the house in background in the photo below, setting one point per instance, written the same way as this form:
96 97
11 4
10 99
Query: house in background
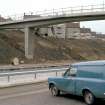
72 30
65 30
86 33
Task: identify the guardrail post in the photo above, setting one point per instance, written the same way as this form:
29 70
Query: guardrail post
103 7
81 9
63 13
71 10
8 78
35 75
53 12
56 73
92 8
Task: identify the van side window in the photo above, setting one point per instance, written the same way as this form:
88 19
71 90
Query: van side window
73 71
67 73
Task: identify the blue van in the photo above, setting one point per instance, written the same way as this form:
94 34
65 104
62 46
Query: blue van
85 79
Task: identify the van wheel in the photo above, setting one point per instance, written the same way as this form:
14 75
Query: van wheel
89 98
54 90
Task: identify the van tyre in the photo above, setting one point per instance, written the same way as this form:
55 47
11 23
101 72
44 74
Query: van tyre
89 98
54 90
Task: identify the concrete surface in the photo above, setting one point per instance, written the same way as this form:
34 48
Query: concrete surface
37 94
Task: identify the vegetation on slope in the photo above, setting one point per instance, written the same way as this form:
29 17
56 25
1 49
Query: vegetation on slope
49 49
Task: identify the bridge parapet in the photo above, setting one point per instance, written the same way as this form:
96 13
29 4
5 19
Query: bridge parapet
58 12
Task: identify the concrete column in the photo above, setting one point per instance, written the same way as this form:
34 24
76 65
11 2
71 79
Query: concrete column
29 42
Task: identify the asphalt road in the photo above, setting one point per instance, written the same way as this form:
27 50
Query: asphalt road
36 94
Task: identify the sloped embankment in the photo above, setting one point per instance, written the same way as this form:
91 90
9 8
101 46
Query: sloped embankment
9 48
49 49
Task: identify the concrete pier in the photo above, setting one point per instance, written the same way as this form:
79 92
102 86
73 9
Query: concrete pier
29 42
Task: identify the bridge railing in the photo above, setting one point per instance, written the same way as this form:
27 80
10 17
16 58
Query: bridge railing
71 10
59 12
16 76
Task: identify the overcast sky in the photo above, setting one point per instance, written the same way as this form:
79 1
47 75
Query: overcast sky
11 7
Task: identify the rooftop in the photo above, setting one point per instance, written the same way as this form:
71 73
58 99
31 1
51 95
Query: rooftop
90 63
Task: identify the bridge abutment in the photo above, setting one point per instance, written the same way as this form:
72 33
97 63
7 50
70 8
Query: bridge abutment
29 42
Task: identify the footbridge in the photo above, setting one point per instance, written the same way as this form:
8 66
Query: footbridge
52 17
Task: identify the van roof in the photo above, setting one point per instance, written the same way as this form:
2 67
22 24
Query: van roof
90 63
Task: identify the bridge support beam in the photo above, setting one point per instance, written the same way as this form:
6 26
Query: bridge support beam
29 42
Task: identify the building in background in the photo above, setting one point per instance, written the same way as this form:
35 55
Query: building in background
65 30
72 30
86 33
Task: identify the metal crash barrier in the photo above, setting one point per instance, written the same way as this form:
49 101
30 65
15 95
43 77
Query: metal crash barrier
16 76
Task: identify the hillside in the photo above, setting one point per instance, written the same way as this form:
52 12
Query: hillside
49 49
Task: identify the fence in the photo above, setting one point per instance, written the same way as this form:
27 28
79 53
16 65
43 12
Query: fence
59 12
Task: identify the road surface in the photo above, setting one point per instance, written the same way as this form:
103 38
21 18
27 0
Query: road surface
36 94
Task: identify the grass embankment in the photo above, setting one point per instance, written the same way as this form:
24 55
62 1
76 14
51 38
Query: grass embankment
49 49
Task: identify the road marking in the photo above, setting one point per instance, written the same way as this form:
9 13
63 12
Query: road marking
23 94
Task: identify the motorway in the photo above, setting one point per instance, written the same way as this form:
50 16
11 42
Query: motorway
36 94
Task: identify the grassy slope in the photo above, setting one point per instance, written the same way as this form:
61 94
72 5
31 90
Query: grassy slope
9 48
49 49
